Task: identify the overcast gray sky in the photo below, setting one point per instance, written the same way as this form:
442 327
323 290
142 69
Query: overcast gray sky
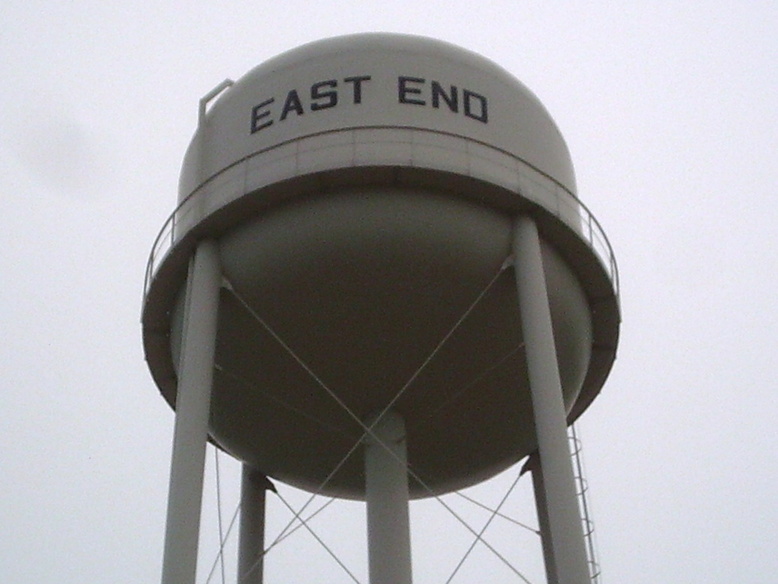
669 110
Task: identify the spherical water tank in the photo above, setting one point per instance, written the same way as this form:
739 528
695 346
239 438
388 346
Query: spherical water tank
362 191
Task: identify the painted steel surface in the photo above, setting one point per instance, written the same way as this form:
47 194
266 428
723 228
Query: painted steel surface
363 192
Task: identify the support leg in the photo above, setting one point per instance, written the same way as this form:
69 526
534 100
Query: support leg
254 486
542 509
387 496
195 378
564 521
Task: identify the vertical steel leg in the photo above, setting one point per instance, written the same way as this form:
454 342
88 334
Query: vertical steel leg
254 486
542 509
193 400
387 496
564 520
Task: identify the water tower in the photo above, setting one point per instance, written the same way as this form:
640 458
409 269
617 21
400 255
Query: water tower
378 284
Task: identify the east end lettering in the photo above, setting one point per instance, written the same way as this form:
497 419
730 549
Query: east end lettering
413 91
329 93
322 95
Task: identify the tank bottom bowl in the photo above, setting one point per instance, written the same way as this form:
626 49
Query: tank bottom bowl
342 305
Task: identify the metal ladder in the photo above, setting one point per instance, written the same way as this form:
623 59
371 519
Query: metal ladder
581 488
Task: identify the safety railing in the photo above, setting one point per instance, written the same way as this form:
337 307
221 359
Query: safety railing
568 208
598 242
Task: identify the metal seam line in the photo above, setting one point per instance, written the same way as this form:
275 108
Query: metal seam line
465 388
282 403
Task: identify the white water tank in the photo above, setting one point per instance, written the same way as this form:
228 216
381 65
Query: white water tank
362 191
